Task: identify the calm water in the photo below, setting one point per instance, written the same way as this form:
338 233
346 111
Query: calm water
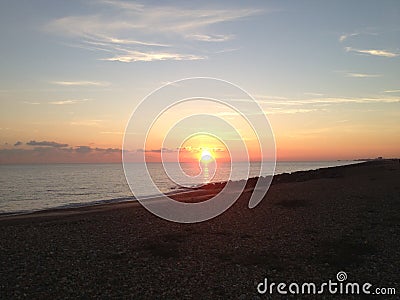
25 188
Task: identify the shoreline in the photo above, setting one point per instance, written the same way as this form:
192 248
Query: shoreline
201 192
131 198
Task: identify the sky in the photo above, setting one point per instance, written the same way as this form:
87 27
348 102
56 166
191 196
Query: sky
326 74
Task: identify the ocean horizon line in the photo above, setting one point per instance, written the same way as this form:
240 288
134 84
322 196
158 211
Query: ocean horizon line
186 162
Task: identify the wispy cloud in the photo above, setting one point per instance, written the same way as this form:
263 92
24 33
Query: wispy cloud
133 56
226 50
67 102
313 94
102 40
81 83
176 19
210 38
132 32
345 36
268 101
362 75
131 6
333 100
277 111
392 91
45 144
374 52
31 103
269 97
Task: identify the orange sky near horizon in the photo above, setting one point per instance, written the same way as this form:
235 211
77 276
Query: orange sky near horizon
292 144
307 136
338 133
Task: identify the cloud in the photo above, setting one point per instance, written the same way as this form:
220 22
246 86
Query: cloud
362 75
59 102
176 19
88 149
131 32
31 103
81 83
47 144
334 100
133 56
210 38
282 111
227 50
71 101
313 94
83 149
344 37
108 150
304 105
133 6
42 153
374 52
18 144
103 40
392 91
166 150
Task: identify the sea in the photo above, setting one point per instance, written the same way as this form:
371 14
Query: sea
29 188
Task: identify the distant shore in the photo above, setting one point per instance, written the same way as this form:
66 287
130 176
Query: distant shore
310 226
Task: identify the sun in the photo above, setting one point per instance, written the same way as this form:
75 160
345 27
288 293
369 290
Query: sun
206 156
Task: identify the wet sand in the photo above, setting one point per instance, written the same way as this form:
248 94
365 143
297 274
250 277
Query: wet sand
310 226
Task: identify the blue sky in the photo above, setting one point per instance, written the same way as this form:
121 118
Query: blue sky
72 71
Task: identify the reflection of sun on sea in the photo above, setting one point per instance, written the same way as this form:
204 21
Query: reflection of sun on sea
206 159
200 155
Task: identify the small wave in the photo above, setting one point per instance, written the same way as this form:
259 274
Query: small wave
96 202
75 194
69 205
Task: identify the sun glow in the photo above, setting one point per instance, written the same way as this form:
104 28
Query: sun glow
204 149
206 157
